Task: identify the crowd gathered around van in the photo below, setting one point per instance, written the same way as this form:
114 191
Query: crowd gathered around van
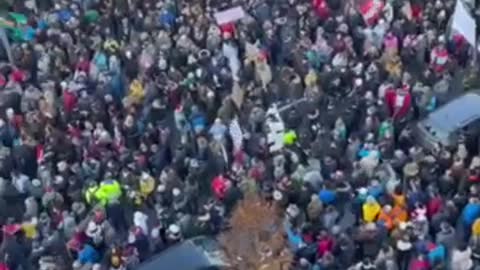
128 127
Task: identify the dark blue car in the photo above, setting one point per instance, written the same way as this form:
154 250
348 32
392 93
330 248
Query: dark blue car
199 253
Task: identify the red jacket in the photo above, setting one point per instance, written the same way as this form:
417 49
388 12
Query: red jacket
322 9
17 121
475 178
393 99
419 265
219 187
40 152
434 206
3 81
416 11
324 245
438 59
18 76
83 66
69 101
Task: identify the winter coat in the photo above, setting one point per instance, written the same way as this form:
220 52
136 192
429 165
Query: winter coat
446 238
370 242
476 227
31 207
437 254
314 209
294 239
384 257
263 72
88 255
140 220
324 245
16 253
136 92
386 218
330 218
461 259
219 187
470 213
370 211
419 264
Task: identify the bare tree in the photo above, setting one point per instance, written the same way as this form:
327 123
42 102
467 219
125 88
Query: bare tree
255 240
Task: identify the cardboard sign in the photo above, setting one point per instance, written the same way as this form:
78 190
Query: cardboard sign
229 15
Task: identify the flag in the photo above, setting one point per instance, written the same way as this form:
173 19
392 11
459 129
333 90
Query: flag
371 10
464 23
19 18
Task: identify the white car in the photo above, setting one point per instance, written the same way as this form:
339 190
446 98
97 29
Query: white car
276 126
276 129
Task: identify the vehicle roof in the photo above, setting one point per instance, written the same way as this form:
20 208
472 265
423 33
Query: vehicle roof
183 256
455 114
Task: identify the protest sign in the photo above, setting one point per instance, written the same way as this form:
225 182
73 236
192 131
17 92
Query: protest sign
229 15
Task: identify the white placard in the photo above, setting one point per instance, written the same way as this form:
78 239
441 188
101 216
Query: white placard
463 23
229 15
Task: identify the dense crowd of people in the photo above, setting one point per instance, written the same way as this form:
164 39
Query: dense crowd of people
128 126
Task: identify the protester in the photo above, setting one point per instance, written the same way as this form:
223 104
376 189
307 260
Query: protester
129 126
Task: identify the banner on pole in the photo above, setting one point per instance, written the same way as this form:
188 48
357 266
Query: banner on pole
464 23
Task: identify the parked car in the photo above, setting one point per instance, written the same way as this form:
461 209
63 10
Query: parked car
198 253
452 121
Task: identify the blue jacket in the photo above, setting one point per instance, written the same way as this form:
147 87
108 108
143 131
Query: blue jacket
327 196
294 240
88 255
437 254
470 213
375 191
167 19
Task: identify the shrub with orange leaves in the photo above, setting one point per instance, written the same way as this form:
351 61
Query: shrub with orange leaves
255 240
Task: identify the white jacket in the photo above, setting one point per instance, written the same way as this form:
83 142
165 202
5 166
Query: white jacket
461 260
231 53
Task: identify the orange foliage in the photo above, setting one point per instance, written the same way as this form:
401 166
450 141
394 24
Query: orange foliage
255 240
